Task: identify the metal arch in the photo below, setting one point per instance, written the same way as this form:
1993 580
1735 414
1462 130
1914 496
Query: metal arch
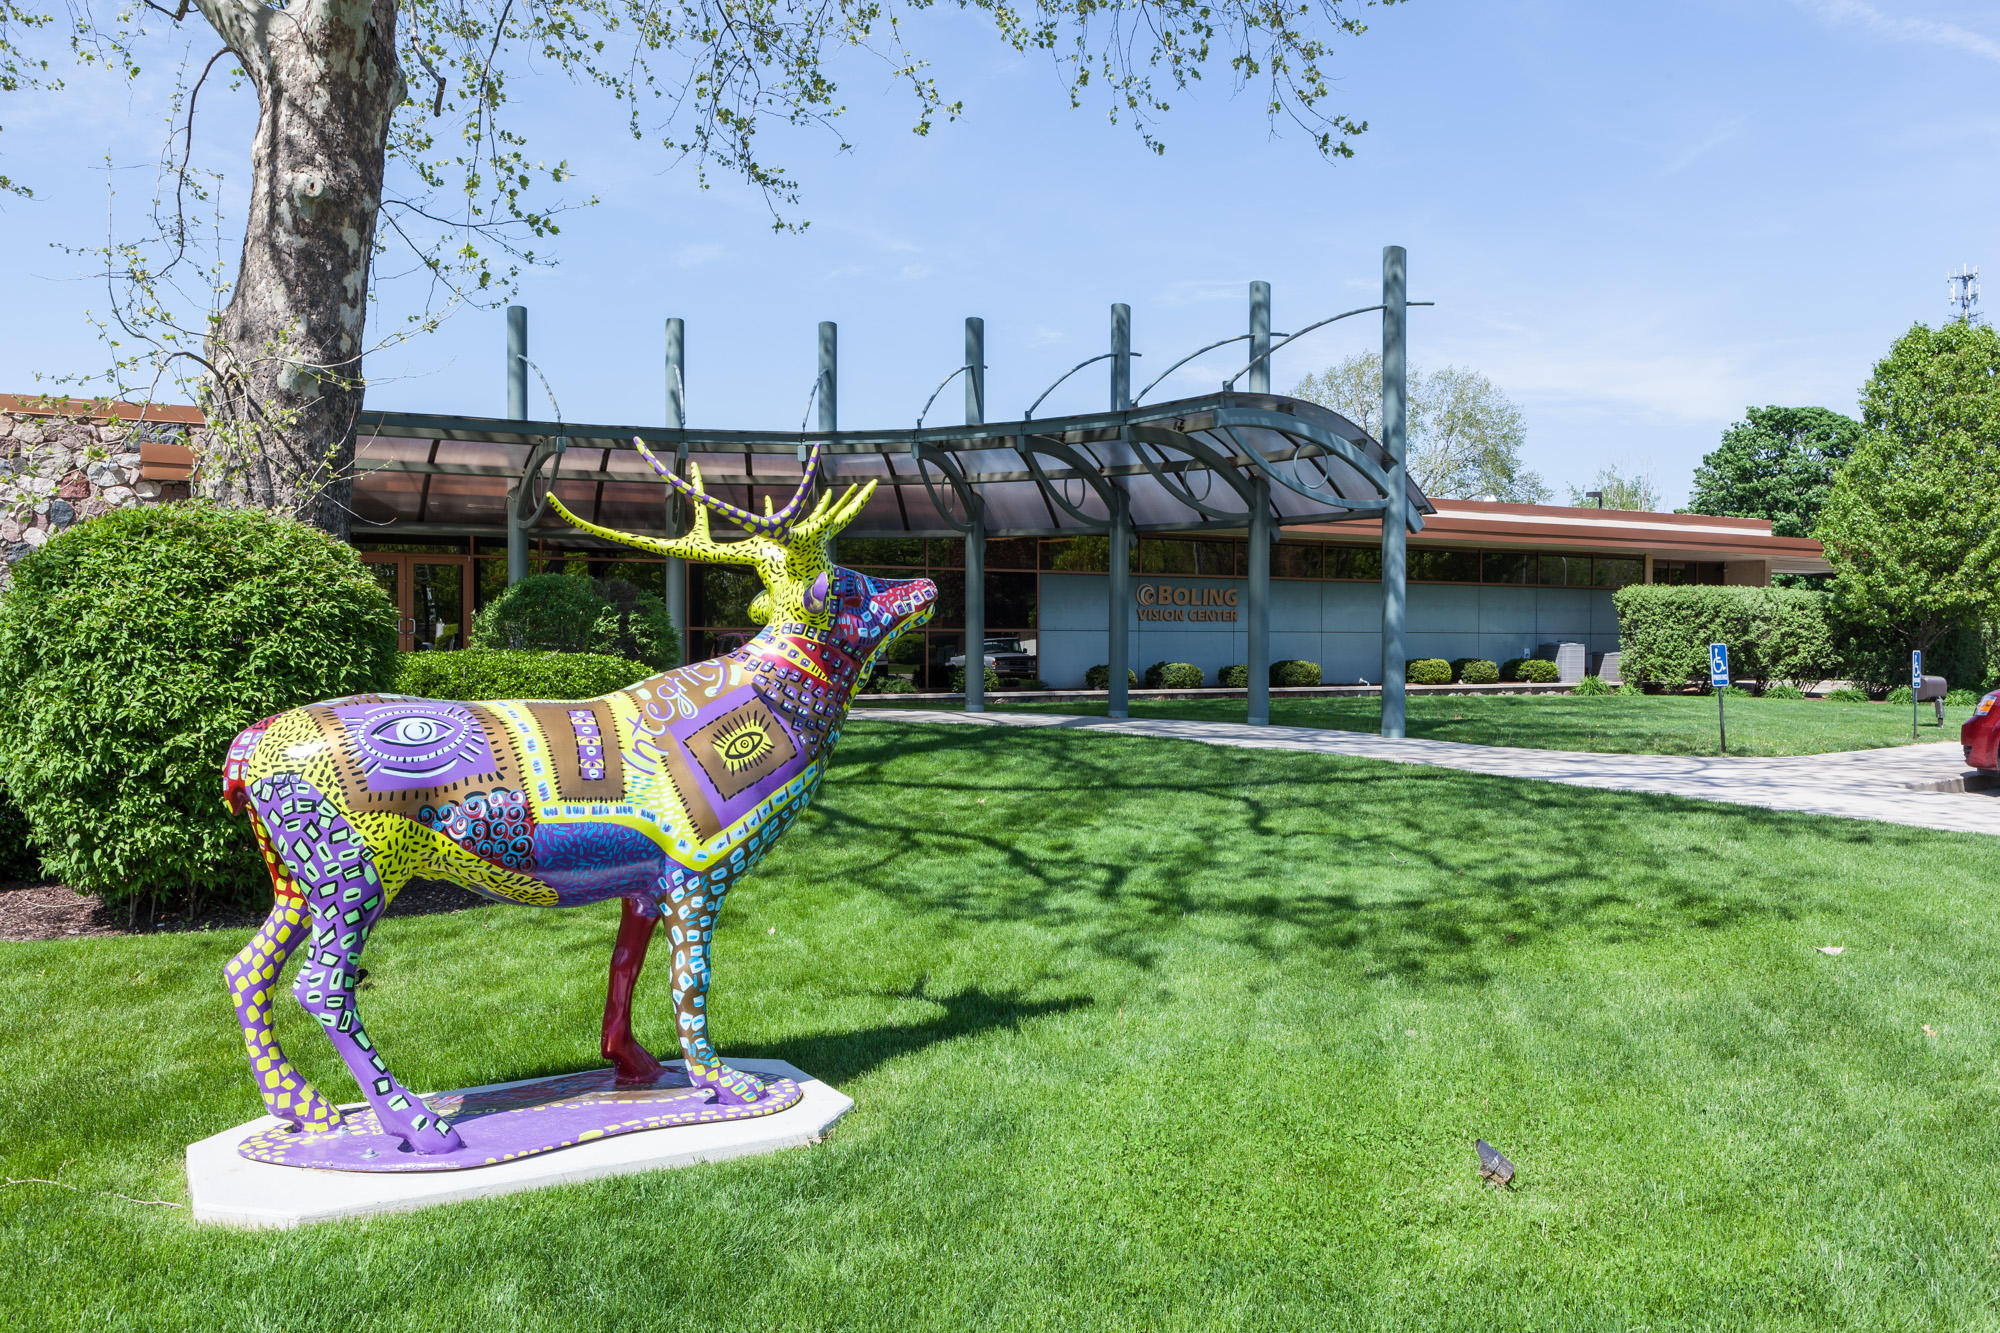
925 453
546 453
1268 352
1220 342
940 389
1029 415
1348 451
1202 452
1371 473
1027 446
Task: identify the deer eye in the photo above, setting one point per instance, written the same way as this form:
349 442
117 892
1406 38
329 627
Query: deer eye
415 731
816 596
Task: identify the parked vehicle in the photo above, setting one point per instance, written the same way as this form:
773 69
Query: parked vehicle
1981 735
1007 656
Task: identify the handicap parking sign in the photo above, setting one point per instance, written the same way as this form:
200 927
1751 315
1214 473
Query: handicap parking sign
1916 668
1718 665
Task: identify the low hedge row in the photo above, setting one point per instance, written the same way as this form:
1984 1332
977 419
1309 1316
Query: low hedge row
1531 670
1475 671
507 673
1099 677
1427 671
957 685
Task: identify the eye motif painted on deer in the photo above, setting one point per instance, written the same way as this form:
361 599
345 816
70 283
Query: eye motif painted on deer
743 744
405 743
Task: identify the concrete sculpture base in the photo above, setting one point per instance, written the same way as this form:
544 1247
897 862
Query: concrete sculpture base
227 1186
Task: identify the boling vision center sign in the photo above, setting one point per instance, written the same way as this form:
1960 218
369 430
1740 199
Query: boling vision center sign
1183 603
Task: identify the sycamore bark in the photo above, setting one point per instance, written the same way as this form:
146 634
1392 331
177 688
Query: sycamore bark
285 381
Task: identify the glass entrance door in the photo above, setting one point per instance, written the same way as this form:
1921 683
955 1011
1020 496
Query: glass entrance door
433 597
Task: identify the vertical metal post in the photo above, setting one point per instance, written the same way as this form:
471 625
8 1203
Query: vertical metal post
829 406
1120 589
975 371
1120 585
1260 337
1395 533
1260 602
517 410
1121 357
975 540
676 572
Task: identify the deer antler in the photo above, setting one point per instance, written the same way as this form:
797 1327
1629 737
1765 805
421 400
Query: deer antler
830 515
694 545
769 524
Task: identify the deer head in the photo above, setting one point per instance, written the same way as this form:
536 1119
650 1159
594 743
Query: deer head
802 587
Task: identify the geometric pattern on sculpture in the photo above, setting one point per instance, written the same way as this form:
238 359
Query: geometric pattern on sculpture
663 795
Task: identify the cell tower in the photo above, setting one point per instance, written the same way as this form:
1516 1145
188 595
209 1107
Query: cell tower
1963 292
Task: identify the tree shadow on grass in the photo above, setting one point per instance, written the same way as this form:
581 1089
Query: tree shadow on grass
1120 845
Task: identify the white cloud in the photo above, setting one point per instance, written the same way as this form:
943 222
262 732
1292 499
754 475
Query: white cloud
915 272
1931 31
694 256
1047 337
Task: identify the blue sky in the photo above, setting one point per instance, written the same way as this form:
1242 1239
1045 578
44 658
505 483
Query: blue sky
1636 220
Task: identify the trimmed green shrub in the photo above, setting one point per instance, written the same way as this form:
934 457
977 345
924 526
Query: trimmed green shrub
1902 694
1847 694
893 685
1781 690
958 680
559 613
1475 671
505 673
1961 698
1175 676
1099 677
1295 672
133 649
1786 634
1594 685
1537 671
1427 671
1234 677
1510 670
18 858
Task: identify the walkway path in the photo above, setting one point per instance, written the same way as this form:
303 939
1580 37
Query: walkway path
1857 784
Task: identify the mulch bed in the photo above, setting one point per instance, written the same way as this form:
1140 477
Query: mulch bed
31 911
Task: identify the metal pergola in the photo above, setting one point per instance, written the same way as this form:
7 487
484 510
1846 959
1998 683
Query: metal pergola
1233 461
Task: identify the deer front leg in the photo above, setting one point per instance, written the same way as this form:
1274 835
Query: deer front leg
691 926
634 1063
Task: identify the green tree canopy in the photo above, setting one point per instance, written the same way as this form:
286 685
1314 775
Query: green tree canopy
1777 463
1912 523
1465 434
1618 491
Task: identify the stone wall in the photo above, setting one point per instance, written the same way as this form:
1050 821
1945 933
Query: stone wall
55 471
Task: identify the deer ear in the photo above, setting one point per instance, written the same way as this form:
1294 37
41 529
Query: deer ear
816 597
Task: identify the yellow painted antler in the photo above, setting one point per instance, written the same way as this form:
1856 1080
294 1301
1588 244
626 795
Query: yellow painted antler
695 545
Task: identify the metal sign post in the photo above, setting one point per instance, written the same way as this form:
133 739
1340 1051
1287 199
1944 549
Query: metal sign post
1718 677
1916 686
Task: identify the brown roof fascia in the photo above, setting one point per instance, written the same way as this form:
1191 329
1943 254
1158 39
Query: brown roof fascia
97 409
1497 509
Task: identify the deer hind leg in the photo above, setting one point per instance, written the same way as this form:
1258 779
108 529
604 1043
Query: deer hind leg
634 1063
691 926
333 868
252 976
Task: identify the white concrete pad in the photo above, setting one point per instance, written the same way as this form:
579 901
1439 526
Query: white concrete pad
231 1190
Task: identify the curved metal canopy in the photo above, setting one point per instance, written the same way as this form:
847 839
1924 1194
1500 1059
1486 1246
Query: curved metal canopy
1179 466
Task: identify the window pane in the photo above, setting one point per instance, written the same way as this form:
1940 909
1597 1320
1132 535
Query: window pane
1295 560
1226 559
1353 562
1162 555
1617 571
946 553
1503 567
1010 601
898 552
721 594
1082 554
1011 553
950 612
1431 566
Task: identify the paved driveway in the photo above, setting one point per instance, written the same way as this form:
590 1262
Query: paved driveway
1857 784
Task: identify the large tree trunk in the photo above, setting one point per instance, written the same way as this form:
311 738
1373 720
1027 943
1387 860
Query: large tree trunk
286 384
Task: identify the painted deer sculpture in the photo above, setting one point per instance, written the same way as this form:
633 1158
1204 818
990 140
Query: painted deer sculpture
664 795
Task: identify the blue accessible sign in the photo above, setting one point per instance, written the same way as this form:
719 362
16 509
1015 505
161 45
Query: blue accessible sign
1916 668
1718 665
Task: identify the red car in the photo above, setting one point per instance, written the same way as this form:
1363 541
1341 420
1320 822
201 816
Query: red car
1981 735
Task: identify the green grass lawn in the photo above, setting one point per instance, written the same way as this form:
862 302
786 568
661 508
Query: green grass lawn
1143 1034
1608 724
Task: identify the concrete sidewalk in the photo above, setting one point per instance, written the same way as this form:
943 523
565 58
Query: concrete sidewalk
1855 784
